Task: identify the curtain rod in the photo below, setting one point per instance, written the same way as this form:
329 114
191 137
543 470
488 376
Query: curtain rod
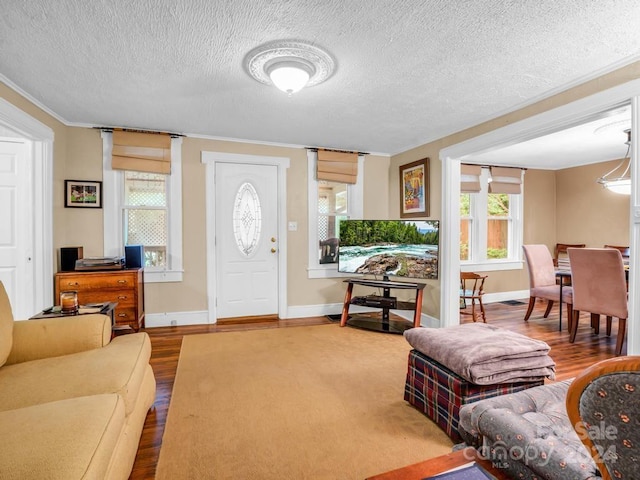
315 149
489 166
137 130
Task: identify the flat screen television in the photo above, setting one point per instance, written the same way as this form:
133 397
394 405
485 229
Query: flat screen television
400 248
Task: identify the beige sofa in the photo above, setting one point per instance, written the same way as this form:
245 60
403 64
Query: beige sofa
72 401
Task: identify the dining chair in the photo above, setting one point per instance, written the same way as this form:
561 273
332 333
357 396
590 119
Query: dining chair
561 259
542 280
600 288
472 289
560 256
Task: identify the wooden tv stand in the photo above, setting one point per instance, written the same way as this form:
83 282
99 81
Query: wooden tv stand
386 302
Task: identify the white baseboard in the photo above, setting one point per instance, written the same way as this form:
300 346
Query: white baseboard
175 319
502 296
170 319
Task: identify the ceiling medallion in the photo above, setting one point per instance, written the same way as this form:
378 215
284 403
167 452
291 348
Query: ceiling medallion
289 65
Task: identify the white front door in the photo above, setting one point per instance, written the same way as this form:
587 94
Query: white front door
246 199
16 237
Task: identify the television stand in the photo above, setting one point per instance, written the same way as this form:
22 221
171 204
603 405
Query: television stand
385 303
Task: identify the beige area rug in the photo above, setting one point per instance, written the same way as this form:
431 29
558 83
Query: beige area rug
318 402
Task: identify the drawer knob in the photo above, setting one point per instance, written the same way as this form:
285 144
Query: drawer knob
122 297
122 314
73 284
122 281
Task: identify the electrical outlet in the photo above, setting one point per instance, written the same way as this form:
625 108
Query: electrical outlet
174 323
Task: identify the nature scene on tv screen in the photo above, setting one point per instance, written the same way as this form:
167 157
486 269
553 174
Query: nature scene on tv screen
402 248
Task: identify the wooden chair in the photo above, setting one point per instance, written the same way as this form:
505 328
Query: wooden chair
560 256
472 289
542 280
600 288
624 251
607 394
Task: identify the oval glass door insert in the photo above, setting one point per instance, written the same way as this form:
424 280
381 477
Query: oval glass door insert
247 219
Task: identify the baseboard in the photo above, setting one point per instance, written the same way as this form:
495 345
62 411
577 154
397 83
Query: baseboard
171 319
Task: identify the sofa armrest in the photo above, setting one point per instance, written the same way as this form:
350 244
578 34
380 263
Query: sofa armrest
53 337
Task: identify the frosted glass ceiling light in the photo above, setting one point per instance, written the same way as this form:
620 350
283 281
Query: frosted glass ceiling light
289 76
289 65
619 182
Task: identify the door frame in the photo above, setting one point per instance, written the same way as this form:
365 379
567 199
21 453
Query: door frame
41 153
550 121
209 159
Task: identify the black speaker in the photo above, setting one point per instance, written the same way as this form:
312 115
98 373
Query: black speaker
134 256
68 257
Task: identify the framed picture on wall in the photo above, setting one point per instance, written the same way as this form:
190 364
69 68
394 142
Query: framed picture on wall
414 189
82 194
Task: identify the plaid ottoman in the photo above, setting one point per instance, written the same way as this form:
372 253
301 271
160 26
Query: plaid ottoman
439 393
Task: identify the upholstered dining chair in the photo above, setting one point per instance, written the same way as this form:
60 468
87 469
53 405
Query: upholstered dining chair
542 280
600 288
607 395
472 289
560 255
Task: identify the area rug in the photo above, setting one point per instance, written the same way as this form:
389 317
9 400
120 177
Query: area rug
318 402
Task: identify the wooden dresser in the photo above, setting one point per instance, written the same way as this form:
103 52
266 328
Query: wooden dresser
125 287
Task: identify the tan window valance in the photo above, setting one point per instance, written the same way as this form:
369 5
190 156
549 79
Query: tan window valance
506 180
470 178
141 152
335 166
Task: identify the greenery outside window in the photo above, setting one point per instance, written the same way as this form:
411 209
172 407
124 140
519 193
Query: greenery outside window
490 228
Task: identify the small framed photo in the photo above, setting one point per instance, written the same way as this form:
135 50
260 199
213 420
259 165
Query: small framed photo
414 189
82 194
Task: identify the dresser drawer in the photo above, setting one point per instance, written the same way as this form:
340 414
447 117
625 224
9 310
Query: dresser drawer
97 282
125 315
124 298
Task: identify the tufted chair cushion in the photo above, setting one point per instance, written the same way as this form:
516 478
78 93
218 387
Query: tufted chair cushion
529 434
6 326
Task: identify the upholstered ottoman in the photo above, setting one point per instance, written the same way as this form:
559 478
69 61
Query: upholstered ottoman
439 393
452 366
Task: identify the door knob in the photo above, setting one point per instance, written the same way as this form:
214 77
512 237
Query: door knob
273 250
273 239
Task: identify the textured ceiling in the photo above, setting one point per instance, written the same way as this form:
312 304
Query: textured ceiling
408 72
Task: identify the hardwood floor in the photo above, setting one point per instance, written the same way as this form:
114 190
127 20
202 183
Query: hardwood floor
570 358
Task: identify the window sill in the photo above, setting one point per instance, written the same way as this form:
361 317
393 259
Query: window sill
491 266
151 276
328 271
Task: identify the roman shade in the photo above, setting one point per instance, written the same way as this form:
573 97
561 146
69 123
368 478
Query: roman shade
141 152
337 166
470 178
506 180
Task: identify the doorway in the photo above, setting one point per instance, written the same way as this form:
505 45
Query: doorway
26 248
246 235
538 125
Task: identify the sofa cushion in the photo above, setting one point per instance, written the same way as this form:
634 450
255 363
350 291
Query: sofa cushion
118 367
68 439
531 429
6 325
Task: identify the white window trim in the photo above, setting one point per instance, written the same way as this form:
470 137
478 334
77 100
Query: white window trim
355 208
478 236
112 186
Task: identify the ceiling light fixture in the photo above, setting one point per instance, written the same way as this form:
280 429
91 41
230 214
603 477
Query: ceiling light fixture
622 183
289 65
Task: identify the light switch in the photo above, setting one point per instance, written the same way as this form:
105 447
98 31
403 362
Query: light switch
293 226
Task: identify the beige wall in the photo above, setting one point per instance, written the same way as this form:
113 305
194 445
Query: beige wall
78 153
588 213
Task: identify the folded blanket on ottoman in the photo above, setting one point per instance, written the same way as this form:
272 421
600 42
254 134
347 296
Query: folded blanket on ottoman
484 354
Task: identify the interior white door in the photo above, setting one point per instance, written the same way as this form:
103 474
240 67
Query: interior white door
15 236
246 227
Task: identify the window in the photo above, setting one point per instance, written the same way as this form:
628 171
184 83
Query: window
146 210
145 216
490 228
329 202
